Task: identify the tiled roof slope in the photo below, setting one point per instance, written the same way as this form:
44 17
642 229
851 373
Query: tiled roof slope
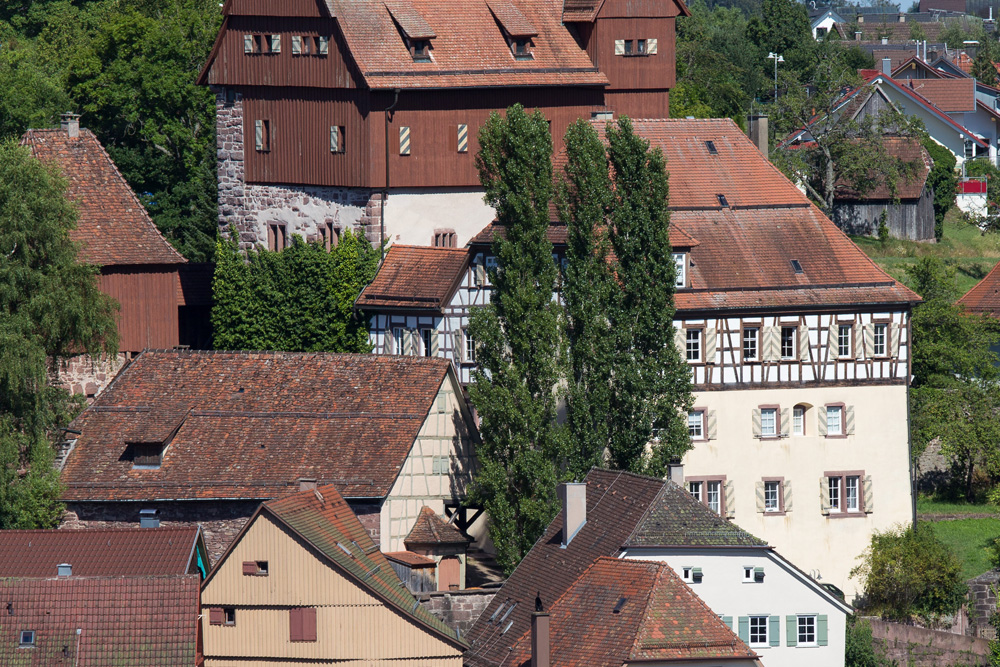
623 611
908 150
112 225
675 518
616 502
247 425
132 621
984 297
98 552
415 277
557 234
429 528
950 95
325 520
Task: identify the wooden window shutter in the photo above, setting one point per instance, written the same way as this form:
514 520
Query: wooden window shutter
215 616
680 341
730 500
755 422
463 138
849 420
651 47
785 424
247 43
296 45
323 45
728 620
414 342
275 43
759 486
831 342
308 624
894 340
713 428
334 139
744 629
404 140
407 342
869 340
858 341
459 337
824 495
803 342
249 567
480 277
774 630
786 495
821 630
619 47
791 630
258 134
772 344
435 343
821 420
295 625
389 347
709 345
868 496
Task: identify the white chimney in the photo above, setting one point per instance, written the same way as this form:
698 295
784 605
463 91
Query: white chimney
676 473
70 123
573 496
64 570
887 66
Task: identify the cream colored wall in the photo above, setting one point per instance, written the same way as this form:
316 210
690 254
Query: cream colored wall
351 624
443 434
821 546
412 216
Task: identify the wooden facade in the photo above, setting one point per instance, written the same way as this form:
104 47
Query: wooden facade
149 309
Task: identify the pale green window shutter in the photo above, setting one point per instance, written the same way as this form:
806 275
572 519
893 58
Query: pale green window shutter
651 47
868 495
821 630
803 342
791 630
755 422
869 340
728 620
709 345
849 420
258 134
774 630
324 45
730 500
389 345
771 345
744 629
894 340
786 423
247 43
680 341
821 419
831 341
275 43
759 486
787 494
408 342
435 343
619 47
713 432
858 344
824 495
296 45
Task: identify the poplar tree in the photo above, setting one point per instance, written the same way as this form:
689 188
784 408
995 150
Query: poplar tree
518 339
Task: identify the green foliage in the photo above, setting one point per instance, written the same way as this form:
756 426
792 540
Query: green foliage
995 643
943 180
300 299
907 572
518 342
50 306
983 167
988 53
883 228
972 540
860 649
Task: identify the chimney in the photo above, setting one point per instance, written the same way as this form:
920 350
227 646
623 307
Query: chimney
70 122
885 40
758 133
540 639
857 35
676 472
149 518
64 570
306 484
887 66
573 496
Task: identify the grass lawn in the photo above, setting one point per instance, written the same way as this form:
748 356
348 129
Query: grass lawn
963 246
927 505
969 539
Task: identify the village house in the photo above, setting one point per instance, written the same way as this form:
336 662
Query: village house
303 583
777 611
183 437
798 346
337 114
163 300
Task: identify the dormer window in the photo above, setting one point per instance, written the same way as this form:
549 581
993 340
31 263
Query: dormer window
521 48
420 50
680 269
146 455
416 32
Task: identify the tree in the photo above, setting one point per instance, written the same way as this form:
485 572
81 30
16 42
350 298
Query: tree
984 64
907 572
942 180
50 308
518 343
300 299
860 650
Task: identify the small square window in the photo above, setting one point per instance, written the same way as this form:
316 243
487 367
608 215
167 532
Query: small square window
806 630
521 48
229 615
420 49
27 638
262 570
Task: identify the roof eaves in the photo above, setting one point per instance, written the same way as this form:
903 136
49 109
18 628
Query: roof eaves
794 570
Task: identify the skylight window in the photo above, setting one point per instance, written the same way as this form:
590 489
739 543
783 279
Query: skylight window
618 606
712 150
723 202
27 639
796 266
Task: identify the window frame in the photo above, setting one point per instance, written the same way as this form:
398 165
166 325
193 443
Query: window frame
841 329
521 48
776 410
698 340
801 410
26 644
755 328
420 50
798 630
882 327
702 414
794 354
842 476
680 269
760 619
780 509
276 242
229 616
826 416
469 347
702 496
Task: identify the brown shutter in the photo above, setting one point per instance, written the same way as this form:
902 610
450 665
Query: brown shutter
215 616
249 567
295 625
308 621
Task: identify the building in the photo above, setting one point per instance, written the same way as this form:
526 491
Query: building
147 621
640 520
822 21
324 107
138 267
798 346
435 556
114 552
303 583
203 437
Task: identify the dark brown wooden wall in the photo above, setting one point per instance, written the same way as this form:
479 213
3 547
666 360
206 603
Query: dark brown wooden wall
639 103
275 8
148 298
634 72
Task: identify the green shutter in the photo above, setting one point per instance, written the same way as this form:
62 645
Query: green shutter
774 630
821 629
791 630
728 620
744 630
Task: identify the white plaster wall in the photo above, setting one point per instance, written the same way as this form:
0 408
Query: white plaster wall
783 592
973 204
824 547
411 216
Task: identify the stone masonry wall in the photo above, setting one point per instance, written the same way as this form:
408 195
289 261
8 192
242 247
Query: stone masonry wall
83 375
303 209
983 603
458 609
920 647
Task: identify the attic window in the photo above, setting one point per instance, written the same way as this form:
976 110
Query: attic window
723 202
712 150
420 50
618 605
146 455
27 639
521 48
796 266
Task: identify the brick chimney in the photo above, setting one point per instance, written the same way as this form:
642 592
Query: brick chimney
573 496
540 648
70 123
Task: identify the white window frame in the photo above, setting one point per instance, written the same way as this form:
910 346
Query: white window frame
772 496
692 345
803 630
761 630
680 267
469 350
833 486
748 577
686 573
398 342
696 424
426 340
714 487
845 332
793 354
751 343
769 427
852 493
31 639
879 334
834 417
799 420
697 490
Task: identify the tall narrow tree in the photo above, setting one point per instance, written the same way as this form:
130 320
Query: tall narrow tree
518 338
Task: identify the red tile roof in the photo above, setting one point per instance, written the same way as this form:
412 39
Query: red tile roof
429 528
908 150
949 95
101 621
409 558
623 611
99 552
415 278
112 225
247 425
984 297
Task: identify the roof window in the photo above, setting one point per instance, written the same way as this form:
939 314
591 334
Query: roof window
415 30
27 639
712 150
723 202
146 455
796 266
618 605
420 50
515 26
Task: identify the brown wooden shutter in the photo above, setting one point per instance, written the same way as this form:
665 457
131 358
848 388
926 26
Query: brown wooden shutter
249 567
215 616
308 624
295 625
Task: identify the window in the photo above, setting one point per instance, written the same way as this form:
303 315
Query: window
323 45
878 339
788 335
748 573
262 135
404 140
680 269
440 465
693 345
712 150
806 630
302 624
686 573
329 236
846 493
970 149
397 340
750 340
147 455
834 487
420 49
769 422
844 340
629 47
255 568
338 142
521 48
276 237
799 420
820 33
708 492
758 631
695 489
851 487
27 639
470 348
229 615
300 45
772 496
723 202
251 44
834 420
273 43
640 47
427 335
445 238
696 424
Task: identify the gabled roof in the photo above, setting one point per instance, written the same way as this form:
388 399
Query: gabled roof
429 528
950 95
908 150
247 425
101 621
326 522
914 62
984 297
625 611
112 225
100 552
415 278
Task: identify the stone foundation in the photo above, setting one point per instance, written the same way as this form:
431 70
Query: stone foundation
458 609
86 375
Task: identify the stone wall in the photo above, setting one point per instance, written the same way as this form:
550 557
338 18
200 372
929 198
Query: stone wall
85 375
920 647
458 609
983 603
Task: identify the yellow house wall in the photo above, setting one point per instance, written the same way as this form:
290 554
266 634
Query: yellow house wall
351 624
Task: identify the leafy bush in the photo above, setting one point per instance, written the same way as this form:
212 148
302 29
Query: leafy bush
860 649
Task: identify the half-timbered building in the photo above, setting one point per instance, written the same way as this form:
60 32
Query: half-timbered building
325 107
798 346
